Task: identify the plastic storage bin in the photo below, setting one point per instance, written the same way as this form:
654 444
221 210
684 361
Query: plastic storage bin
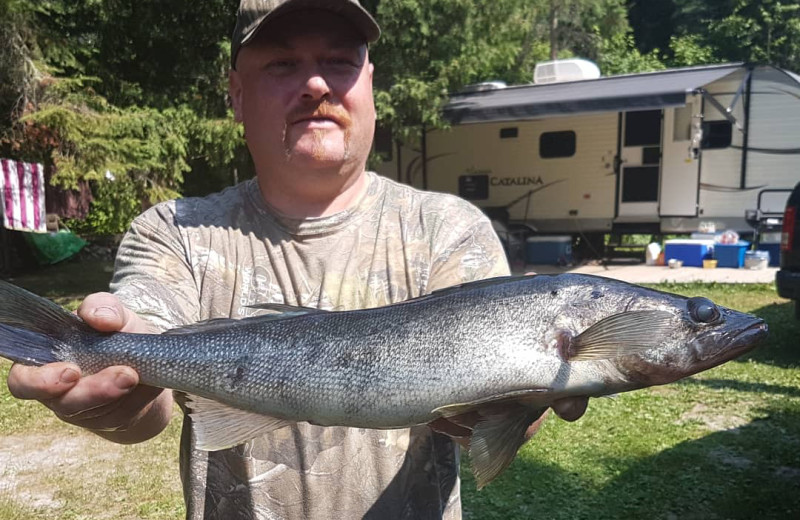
731 255
549 250
756 259
690 252
774 250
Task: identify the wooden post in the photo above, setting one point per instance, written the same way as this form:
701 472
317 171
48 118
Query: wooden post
5 267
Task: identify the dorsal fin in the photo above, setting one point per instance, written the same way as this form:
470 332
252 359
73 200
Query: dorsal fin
285 308
226 323
488 282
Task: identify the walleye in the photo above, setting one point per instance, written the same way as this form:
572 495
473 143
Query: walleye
502 349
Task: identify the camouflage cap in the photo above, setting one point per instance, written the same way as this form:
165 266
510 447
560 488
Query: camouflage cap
253 14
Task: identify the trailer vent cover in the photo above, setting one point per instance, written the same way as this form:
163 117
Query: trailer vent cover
564 70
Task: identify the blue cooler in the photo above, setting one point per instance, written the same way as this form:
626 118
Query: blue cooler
553 250
690 252
731 255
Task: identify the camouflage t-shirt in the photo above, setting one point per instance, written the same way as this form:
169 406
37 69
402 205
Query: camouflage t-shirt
201 258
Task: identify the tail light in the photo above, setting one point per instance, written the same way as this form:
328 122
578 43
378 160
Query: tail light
787 235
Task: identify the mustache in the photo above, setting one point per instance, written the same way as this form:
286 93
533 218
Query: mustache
325 109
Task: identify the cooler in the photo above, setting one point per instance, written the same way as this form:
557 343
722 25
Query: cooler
690 252
731 255
550 250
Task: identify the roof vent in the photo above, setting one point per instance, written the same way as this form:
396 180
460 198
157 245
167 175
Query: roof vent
564 70
482 87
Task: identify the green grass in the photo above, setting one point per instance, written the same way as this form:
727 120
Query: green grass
69 282
722 444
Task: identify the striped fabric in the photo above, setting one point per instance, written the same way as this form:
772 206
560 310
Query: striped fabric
22 196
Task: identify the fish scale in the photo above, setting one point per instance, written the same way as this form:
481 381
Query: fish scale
491 355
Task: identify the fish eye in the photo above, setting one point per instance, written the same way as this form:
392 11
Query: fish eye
703 310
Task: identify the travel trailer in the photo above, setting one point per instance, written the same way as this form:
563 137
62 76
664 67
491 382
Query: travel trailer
662 152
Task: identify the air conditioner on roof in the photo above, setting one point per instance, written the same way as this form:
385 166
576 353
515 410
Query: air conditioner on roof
564 70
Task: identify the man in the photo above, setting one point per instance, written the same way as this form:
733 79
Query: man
313 229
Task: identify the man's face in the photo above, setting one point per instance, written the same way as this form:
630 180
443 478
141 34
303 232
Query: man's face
303 90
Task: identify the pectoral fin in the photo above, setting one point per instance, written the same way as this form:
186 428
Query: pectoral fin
217 426
496 439
619 335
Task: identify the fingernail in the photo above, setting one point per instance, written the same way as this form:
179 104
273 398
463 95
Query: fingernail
105 312
69 376
124 381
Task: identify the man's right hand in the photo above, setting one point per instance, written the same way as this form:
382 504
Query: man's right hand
111 402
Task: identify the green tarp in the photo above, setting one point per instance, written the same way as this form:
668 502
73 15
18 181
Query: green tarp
51 248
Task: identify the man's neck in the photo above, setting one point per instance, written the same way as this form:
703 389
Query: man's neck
300 200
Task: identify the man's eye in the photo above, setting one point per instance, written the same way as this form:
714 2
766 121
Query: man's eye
340 62
279 65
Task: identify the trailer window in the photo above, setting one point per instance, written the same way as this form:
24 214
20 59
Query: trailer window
682 130
557 144
716 134
651 155
643 128
509 133
640 184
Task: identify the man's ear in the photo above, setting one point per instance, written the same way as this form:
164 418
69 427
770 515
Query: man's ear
235 92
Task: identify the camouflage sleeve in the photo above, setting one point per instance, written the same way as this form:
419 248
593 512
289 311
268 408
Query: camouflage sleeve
469 251
152 272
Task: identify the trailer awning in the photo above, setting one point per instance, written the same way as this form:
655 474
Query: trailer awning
646 91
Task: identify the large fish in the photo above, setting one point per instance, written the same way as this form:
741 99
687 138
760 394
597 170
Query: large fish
501 350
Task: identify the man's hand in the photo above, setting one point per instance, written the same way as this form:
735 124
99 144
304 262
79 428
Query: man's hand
111 402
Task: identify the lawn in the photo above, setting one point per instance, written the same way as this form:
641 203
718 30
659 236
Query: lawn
722 444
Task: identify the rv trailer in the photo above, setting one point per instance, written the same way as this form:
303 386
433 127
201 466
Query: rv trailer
656 152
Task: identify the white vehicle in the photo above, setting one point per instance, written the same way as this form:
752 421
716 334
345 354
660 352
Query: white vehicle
658 152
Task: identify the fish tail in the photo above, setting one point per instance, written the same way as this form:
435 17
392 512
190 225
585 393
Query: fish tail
35 331
29 348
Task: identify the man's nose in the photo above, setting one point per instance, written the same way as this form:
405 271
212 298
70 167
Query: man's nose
316 86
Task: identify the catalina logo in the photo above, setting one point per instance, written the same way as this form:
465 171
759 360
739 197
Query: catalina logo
516 181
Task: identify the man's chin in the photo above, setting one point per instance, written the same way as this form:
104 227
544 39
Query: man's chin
316 159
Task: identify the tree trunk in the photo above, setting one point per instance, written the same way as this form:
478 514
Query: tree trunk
553 31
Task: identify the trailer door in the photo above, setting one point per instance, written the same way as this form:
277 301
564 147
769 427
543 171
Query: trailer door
640 165
680 169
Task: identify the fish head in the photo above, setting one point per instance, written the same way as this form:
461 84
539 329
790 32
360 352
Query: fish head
646 336
695 335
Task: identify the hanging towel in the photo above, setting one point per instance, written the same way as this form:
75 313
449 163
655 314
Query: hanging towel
22 196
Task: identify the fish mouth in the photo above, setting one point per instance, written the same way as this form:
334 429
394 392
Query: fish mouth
752 336
733 346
